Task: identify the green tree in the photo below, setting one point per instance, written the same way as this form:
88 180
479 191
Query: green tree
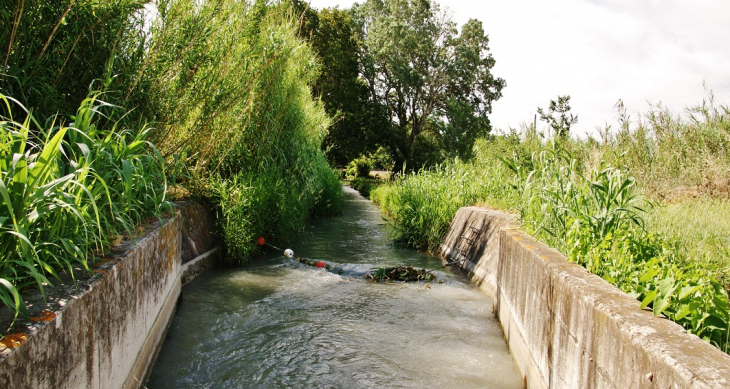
558 116
360 125
417 65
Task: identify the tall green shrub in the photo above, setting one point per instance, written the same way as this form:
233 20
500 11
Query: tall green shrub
230 85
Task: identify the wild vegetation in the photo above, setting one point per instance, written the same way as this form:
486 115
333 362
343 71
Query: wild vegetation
108 104
233 98
609 205
398 75
68 190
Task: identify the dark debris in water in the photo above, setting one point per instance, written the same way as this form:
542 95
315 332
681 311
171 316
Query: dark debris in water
399 273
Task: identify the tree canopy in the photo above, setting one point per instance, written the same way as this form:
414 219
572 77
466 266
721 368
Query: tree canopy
359 125
427 75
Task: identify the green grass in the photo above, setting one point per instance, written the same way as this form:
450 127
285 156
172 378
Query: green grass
593 212
700 227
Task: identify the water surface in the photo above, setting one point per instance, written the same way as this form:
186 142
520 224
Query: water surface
276 323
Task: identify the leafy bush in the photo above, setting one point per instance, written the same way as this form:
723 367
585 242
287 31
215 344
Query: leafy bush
359 167
230 83
364 185
381 159
421 205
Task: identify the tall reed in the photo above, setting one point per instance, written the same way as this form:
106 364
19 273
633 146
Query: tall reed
230 85
69 193
52 51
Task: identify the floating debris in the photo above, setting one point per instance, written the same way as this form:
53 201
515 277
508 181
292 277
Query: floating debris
399 273
328 266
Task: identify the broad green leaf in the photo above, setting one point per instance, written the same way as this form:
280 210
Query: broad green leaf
649 274
17 302
683 311
687 290
649 298
44 163
660 305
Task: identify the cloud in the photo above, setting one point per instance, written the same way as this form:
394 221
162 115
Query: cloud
599 51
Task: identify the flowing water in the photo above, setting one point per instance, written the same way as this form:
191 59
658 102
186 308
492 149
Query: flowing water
279 324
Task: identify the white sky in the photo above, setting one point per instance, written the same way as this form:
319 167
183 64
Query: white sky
599 51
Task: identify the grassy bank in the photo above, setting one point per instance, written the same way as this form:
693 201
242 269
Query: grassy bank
609 205
209 97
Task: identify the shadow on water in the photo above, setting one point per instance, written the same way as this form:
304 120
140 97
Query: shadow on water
278 324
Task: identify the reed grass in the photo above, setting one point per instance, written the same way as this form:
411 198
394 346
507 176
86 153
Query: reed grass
582 198
68 194
52 51
229 83
225 84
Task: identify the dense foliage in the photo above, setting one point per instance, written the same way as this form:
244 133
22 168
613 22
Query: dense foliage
423 71
225 86
360 124
581 198
398 76
230 84
74 189
53 52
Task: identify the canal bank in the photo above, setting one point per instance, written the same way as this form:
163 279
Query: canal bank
103 329
279 323
568 328
564 327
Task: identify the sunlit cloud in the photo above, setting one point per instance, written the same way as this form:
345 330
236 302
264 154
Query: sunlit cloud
598 52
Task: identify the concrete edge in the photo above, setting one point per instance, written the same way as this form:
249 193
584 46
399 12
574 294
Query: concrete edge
109 333
200 264
566 327
148 354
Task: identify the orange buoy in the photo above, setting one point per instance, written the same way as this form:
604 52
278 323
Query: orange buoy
320 264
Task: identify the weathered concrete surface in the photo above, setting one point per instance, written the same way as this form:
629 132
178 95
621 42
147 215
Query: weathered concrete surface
473 240
106 336
567 328
198 265
198 225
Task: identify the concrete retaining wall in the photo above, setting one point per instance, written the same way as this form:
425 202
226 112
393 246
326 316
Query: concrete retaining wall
107 335
567 328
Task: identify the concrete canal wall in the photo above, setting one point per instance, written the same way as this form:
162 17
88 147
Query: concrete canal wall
106 333
567 328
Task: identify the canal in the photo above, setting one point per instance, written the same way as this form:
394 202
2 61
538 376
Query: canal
276 323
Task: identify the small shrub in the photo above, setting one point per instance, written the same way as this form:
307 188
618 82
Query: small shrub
359 167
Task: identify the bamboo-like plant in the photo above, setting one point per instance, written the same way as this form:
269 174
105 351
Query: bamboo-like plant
69 194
